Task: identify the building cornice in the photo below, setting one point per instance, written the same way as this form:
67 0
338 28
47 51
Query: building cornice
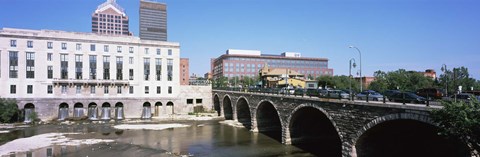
273 57
83 37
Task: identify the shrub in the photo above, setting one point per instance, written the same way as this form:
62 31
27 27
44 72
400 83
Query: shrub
8 110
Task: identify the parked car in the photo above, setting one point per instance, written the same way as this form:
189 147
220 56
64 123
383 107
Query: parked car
409 98
389 93
299 91
312 92
465 97
372 95
334 94
286 90
431 93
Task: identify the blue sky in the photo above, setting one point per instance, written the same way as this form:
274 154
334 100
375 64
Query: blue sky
392 34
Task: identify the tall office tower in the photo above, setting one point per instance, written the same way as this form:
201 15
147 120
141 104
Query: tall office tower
153 20
110 18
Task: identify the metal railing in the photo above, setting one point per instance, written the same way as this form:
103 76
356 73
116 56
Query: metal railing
327 95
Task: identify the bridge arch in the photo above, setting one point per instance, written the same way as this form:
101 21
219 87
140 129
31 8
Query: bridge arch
243 112
311 128
268 119
216 104
404 134
227 107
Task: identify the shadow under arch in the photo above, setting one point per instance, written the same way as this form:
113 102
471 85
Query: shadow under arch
216 104
313 130
405 134
268 120
243 113
227 108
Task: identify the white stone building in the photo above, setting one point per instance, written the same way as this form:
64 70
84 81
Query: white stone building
62 74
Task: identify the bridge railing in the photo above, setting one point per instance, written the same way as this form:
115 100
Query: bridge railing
308 94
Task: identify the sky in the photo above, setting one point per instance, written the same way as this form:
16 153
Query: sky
391 34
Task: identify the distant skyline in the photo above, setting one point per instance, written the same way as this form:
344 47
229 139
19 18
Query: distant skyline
395 34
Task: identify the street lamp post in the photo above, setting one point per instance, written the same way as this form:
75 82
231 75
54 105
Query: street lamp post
350 77
361 82
444 70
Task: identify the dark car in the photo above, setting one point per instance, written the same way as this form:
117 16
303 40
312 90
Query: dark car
312 92
431 93
465 97
389 93
409 98
299 91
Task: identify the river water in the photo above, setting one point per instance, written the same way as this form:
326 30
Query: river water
199 138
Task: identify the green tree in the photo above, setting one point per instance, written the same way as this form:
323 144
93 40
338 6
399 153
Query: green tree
338 82
8 110
455 78
381 83
221 82
460 120
400 79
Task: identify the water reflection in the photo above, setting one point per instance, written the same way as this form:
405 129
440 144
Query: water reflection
200 139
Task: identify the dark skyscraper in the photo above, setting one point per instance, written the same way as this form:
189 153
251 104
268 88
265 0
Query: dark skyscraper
153 20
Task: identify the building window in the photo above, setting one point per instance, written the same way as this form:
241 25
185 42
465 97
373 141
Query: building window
158 52
105 89
170 69
130 74
146 90
13 68
146 68
169 52
146 51
189 101
13 89
119 89
92 47
49 89
64 46
78 66
198 101
64 89
13 43
169 89
159 90
119 68
93 67
130 90
105 48
92 89
49 45
29 44
106 67
30 65
130 60
49 56
64 66
78 89
130 49
158 69
49 72
119 49
79 47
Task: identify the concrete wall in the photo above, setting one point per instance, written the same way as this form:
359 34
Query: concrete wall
196 92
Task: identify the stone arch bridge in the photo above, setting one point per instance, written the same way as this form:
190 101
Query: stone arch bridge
328 127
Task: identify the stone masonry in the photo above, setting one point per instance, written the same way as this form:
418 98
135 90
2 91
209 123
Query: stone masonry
350 119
